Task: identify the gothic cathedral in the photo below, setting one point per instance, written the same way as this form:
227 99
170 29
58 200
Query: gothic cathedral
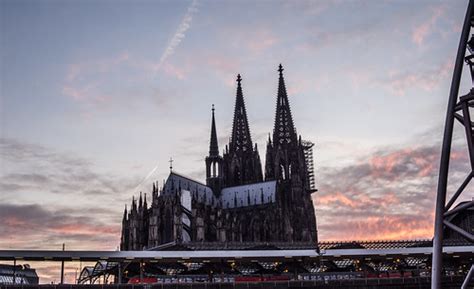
238 203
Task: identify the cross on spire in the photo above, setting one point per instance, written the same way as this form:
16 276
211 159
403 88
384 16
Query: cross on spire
171 164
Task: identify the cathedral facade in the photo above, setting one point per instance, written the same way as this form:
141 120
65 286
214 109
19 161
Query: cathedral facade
239 202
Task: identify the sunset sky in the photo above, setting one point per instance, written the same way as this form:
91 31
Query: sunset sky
95 95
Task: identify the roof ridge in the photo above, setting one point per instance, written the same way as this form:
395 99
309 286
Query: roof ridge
188 178
272 181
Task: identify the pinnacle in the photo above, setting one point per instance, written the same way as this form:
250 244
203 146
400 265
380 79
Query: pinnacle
213 146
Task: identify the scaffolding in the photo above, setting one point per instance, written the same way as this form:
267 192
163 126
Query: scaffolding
308 158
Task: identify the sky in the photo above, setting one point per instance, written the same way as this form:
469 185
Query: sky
96 96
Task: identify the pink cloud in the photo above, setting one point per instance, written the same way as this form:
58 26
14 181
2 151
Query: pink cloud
174 71
226 68
421 31
117 81
85 229
336 197
380 228
356 200
388 194
261 40
50 228
428 80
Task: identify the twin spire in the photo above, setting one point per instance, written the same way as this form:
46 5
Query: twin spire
240 139
284 131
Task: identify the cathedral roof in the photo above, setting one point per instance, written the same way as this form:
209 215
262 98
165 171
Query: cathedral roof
177 182
249 195
180 177
231 197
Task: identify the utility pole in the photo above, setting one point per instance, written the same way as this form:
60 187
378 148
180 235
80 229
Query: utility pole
62 267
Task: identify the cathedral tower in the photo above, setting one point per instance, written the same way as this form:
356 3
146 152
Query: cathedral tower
285 157
214 170
241 159
286 163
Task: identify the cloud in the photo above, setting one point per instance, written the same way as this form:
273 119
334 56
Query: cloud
94 82
427 79
120 82
260 40
386 194
421 31
175 71
31 170
180 32
67 201
398 81
312 8
35 227
392 227
224 67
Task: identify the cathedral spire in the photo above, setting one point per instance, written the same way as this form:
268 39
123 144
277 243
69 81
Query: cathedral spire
213 147
240 140
125 213
284 132
134 204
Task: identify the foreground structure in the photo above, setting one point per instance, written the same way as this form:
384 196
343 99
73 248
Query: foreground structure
460 109
238 203
231 264
18 274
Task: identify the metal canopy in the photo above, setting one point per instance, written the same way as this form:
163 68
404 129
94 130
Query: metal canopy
173 256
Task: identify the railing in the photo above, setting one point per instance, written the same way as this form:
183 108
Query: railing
382 283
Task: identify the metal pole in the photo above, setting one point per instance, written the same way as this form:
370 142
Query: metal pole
119 273
470 275
14 271
141 271
437 262
62 268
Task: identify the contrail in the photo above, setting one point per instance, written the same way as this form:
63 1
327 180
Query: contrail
180 32
174 42
146 178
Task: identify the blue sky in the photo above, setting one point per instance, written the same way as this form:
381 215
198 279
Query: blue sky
96 94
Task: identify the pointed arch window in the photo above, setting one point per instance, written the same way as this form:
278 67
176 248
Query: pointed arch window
282 172
237 175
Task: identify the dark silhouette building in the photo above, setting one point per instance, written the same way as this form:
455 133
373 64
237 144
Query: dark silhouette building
238 203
